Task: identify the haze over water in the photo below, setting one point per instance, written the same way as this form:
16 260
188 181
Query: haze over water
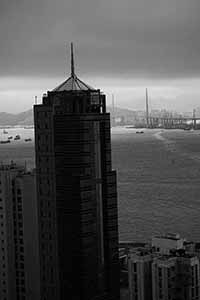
158 179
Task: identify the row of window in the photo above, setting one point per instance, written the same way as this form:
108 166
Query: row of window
18 243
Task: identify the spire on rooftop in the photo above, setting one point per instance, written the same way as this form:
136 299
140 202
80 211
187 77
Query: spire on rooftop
73 83
72 60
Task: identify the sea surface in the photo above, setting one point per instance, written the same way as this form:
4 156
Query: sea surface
158 179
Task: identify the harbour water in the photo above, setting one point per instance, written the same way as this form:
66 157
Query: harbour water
158 179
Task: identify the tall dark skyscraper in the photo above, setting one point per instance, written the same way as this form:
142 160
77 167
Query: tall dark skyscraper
76 192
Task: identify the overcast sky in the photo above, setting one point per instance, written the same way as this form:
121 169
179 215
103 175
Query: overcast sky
120 46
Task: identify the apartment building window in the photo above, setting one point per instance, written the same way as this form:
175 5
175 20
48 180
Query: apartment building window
135 267
19 192
20 225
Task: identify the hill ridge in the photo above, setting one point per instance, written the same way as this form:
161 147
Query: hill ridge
25 118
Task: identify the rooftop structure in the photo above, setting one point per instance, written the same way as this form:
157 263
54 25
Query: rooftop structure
165 243
73 83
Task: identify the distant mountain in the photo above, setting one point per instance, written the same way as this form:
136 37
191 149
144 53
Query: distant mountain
23 118
26 118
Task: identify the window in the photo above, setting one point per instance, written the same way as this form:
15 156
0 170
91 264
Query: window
135 267
21 265
19 192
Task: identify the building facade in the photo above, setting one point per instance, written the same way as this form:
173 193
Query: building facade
176 278
19 251
140 274
165 270
76 192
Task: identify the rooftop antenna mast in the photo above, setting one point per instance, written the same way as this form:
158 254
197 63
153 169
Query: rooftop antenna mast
194 118
147 109
35 100
194 113
72 61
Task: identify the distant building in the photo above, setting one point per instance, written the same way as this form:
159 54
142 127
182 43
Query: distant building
19 256
76 193
165 243
164 270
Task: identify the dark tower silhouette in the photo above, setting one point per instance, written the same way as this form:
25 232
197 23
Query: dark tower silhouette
76 192
113 112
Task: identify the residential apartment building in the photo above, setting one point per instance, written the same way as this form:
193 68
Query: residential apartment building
19 256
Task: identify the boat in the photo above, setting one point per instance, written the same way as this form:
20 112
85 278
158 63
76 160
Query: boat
28 140
10 138
187 128
5 142
17 137
5 132
28 127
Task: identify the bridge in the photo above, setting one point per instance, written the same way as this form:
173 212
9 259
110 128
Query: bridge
171 122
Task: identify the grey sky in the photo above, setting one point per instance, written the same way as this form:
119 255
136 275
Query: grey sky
138 39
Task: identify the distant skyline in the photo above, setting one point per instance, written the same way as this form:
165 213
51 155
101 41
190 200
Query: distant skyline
120 47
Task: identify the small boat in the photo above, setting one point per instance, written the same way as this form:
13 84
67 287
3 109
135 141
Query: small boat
10 138
28 127
28 140
5 132
17 137
5 142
